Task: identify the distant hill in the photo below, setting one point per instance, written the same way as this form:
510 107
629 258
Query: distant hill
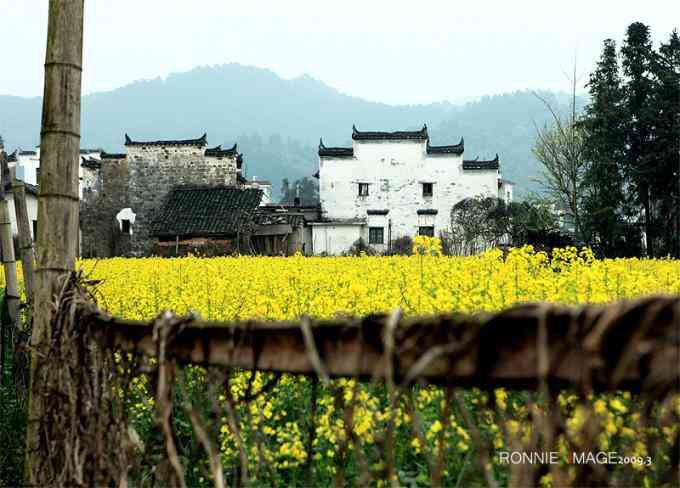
277 123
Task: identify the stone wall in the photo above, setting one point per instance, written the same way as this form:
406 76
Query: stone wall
100 234
141 182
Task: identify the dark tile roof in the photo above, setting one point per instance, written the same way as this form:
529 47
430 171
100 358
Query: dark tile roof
428 211
12 158
200 142
32 189
268 216
316 175
477 164
218 152
335 152
418 135
90 163
89 151
377 212
28 153
205 211
105 155
453 149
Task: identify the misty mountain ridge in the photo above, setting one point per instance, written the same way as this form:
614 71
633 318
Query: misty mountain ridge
277 122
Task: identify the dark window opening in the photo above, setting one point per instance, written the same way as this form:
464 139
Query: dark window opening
426 231
363 189
125 226
35 229
37 176
376 235
427 189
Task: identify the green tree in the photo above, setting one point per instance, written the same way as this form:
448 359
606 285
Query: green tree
603 200
640 118
666 145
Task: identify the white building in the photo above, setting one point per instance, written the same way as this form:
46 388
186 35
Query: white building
393 184
28 167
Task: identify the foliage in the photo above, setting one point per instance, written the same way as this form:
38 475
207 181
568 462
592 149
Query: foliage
402 246
632 126
360 248
482 223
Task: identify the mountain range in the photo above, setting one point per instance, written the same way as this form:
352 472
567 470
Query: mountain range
278 122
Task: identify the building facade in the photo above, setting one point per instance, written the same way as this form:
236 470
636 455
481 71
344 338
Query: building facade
131 189
394 184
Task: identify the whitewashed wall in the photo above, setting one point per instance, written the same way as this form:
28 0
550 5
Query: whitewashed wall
31 207
335 239
395 171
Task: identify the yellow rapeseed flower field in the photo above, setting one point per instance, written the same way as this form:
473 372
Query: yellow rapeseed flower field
284 288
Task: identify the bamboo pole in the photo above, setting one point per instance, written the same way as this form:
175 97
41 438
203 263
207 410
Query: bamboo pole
7 245
58 200
25 240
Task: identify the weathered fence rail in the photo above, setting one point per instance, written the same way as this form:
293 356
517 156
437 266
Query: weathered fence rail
633 345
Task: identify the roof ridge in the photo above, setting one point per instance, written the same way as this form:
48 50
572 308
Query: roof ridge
201 141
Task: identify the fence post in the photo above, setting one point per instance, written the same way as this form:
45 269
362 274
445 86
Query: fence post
58 202
7 244
24 238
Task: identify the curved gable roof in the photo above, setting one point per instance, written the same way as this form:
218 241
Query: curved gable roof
417 135
200 142
482 165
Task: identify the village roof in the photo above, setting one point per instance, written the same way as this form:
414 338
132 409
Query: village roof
483 165
205 211
90 163
218 152
377 212
417 135
427 211
268 216
335 152
105 155
452 149
200 142
28 153
32 189
90 151
12 158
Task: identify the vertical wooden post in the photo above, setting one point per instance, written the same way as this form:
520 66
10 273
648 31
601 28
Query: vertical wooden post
58 200
24 238
7 244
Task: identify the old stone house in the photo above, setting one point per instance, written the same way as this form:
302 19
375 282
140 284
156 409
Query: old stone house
119 214
393 184
210 220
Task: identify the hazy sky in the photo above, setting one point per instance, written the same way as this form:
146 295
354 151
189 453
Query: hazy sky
391 51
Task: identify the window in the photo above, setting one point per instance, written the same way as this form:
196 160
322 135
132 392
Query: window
427 189
35 230
426 231
125 226
376 235
37 176
363 189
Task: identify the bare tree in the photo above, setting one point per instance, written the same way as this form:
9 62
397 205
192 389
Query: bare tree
560 148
